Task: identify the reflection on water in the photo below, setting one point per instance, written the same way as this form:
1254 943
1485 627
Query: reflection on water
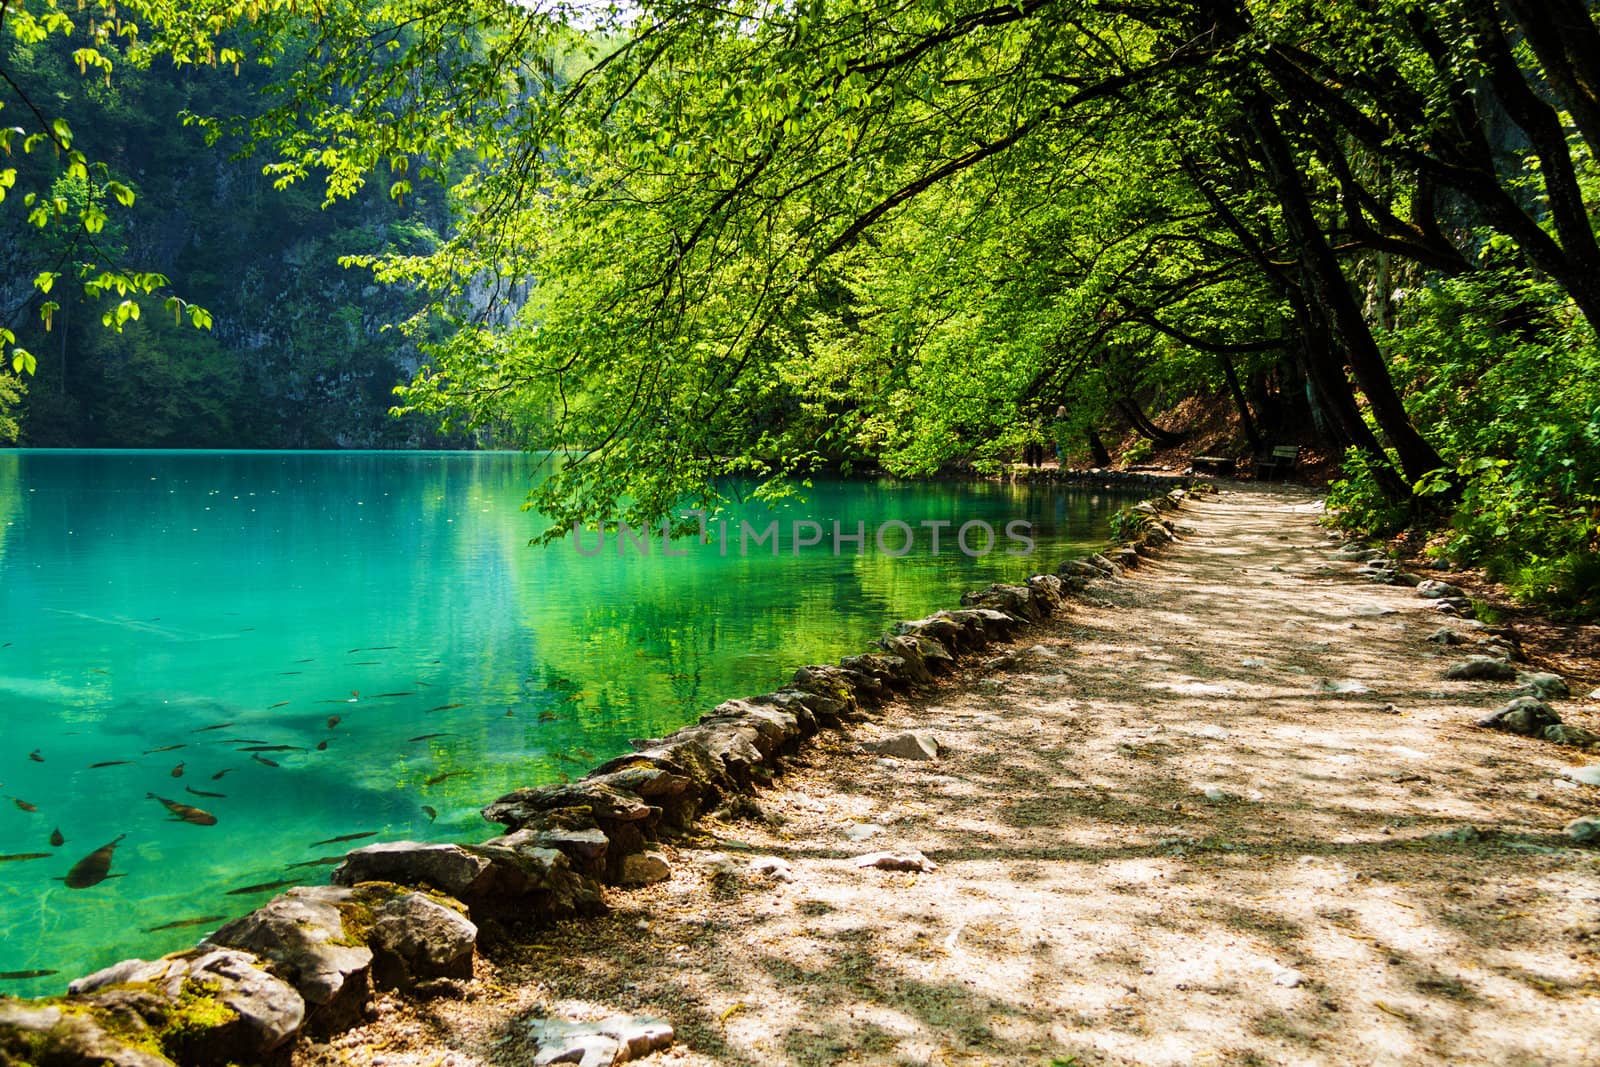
310 645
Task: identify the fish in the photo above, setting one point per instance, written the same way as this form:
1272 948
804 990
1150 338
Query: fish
23 804
18 976
56 839
428 737
181 923
163 748
564 758
446 707
334 720
374 648
404 693
18 857
322 746
177 772
510 713
218 776
429 812
548 716
109 763
344 837
436 779
246 629
186 812
262 888
34 755
244 741
203 793
6 645
262 759
93 868
279 704
273 748
321 861
313 659
585 753
288 674
366 663
218 726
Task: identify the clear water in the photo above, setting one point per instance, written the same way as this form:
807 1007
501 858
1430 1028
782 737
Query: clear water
147 596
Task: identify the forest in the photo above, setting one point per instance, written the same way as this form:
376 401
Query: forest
692 241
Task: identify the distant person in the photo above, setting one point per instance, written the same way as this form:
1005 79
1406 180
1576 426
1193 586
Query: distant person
1033 450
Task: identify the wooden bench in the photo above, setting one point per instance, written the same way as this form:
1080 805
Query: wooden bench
1282 458
1214 464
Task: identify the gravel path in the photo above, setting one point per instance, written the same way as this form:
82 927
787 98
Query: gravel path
1216 812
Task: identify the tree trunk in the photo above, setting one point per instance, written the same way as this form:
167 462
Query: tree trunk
1564 39
1327 288
1247 423
1141 423
1097 450
1328 392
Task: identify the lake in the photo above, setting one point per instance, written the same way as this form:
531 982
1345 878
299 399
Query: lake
313 645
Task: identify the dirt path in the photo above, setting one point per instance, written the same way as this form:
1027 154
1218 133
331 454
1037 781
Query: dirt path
1093 903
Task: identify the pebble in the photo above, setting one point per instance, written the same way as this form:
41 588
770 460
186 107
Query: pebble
1486 668
1252 663
1433 589
1289 978
1584 831
1543 685
776 869
1587 775
597 1044
645 868
1344 685
1522 715
1461 835
896 861
912 745
720 864
863 830
1214 732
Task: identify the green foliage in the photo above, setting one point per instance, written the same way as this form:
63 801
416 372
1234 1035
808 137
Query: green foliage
264 340
1127 524
11 393
1507 379
1360 502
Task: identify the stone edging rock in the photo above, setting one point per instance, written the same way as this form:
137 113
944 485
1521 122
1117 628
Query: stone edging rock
408 915
1103 478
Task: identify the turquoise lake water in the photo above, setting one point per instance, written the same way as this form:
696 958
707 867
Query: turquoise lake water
382 616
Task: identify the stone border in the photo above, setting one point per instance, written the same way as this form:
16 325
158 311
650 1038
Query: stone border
408 915
1103 478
